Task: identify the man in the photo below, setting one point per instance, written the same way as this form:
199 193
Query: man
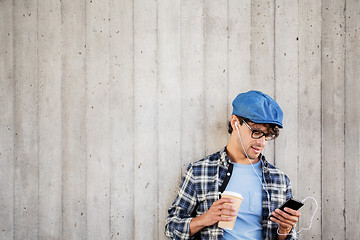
238 167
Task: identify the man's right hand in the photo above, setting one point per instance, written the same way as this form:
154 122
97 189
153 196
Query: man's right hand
219 211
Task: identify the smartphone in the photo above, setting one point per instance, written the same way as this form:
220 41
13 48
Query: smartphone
290 203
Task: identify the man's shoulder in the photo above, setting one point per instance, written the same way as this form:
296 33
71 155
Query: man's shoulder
207 161
207 166
275 171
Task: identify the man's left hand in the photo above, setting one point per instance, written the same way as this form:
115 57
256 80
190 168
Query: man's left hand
286 220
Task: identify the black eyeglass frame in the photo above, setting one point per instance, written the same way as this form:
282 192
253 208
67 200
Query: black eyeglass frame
268 136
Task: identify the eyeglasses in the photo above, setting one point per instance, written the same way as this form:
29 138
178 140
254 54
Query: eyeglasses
256 134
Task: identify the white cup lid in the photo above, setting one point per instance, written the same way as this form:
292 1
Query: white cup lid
233 194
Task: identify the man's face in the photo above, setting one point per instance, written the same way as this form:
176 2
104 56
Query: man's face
253 147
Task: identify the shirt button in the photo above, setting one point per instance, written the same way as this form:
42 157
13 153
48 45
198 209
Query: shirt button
228 174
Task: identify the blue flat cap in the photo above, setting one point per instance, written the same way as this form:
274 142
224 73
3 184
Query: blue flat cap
258 107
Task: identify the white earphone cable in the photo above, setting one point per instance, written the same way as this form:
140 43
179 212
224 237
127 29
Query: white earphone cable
311 220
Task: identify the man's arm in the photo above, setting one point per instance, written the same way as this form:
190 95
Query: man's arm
213 215
180 223
286 221
180 212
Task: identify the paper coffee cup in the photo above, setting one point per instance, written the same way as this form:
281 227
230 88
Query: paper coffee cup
237 197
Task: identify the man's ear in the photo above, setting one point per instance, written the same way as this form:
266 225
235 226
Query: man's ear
234 120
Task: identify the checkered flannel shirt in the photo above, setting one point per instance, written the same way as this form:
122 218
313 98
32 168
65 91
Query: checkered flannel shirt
200 186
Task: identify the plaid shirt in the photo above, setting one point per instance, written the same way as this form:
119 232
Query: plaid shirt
201 186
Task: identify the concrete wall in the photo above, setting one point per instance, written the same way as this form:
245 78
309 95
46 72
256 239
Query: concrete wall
104 103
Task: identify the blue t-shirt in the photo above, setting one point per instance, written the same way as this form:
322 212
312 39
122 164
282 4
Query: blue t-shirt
249 218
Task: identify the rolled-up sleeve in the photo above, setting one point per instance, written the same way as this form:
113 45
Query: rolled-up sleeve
182 210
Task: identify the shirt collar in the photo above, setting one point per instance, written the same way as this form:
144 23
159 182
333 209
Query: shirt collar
224 159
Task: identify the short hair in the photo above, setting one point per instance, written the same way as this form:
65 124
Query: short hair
273 129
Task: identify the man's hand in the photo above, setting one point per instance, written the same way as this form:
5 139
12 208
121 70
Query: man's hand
286 220
215 214
217 211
